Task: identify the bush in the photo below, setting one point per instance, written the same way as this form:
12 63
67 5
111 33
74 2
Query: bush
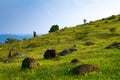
112 30
106 22
111 17
54 28
10 40
118 19
1 44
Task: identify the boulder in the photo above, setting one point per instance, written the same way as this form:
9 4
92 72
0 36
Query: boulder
12 54
19 55
29 63
75 61
113 45
67 51
50 53
89 43
84 69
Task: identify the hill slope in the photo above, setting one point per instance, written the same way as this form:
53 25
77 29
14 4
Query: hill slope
98 32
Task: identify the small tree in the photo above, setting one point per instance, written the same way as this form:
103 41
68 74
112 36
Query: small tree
84 20
10 40
34 34
54 28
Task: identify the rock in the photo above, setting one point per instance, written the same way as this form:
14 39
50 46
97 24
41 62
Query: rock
19 55
64 52
89 43
29 63
84 69
75 61
50 53
113 45
67 51
12 54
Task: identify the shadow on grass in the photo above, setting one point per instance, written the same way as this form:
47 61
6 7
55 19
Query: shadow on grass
105 35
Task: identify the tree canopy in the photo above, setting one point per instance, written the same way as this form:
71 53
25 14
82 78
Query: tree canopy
54 28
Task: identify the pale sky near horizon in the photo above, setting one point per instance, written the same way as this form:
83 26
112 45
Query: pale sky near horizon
26 16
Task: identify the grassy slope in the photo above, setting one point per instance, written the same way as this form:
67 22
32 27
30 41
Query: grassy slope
98 32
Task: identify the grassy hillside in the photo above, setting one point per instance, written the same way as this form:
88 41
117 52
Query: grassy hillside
98 32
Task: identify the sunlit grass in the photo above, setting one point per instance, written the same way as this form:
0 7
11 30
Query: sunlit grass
58 69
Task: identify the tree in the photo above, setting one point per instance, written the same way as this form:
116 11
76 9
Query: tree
54 28
84 20
10 40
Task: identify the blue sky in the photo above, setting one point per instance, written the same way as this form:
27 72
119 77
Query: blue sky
26 16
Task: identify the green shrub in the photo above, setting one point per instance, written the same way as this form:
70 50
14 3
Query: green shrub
1 44
106 22
84 20
10 40
111 17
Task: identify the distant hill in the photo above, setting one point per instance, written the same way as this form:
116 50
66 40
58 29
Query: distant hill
3 37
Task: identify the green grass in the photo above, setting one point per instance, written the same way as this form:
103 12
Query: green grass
108 60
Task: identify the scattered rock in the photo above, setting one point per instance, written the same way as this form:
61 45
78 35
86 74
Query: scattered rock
75 61
19 55
29 63
113 45
50 53
84 69
89 43
67 51
12 54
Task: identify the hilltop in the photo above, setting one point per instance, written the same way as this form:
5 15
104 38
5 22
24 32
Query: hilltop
101 33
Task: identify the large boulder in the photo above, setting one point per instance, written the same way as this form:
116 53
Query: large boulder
84 69
113 45
29 63
67 51
50 53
